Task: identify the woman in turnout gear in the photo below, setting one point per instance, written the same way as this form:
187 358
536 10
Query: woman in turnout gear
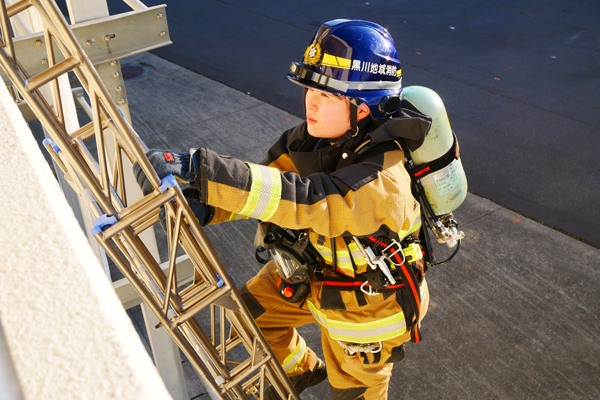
338 183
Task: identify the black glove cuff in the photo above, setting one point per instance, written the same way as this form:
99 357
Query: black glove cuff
194 168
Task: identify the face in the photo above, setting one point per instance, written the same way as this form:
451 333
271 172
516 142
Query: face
327 116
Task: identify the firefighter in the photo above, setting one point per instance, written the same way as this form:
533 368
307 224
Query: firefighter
336 213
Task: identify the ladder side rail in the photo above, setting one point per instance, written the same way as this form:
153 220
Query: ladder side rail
116 253
102 191
51 15
7 40
249 322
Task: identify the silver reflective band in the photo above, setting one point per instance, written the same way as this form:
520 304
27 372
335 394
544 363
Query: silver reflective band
345 86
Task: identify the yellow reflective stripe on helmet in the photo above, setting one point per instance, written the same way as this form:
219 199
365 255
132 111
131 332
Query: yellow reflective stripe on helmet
292 361
366 332
265 192
338 62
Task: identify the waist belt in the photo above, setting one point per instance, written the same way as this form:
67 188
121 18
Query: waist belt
352 284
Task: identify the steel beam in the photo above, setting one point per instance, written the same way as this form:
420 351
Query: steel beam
104 39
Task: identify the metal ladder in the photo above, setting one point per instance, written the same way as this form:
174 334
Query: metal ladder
231 371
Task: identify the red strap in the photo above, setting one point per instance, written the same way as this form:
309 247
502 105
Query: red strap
413 288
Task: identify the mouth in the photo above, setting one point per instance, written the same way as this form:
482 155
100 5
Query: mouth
310 120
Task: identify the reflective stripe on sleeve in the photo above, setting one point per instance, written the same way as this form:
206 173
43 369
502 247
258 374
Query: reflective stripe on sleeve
265 192
234 217
416 224
414 227
293 360
366 332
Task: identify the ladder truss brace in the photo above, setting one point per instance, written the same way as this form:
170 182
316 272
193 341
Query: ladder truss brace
232 371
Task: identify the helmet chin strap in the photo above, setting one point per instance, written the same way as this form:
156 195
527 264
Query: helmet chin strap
353 131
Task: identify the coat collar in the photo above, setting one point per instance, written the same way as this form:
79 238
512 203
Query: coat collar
408 124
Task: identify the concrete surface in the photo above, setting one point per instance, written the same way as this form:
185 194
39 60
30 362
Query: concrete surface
514 315
67 332
520 79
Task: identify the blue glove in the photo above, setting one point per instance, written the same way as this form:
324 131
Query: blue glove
202 211
167 162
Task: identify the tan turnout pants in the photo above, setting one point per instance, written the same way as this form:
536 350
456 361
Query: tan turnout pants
361 376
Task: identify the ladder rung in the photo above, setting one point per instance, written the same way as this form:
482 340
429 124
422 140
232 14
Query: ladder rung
229 345
138 214
17 8
51 73
85 132
244 370
201 303
191 291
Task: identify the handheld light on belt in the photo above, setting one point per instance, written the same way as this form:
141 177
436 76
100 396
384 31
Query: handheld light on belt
413 252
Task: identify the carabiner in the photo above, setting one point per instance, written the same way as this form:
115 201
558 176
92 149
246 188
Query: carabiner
370 292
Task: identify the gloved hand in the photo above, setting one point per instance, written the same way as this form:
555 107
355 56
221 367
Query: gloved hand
166 162
202 211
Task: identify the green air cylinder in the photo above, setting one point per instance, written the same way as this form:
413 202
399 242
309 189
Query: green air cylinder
445 188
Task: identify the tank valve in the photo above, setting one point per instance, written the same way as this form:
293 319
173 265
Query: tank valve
445 230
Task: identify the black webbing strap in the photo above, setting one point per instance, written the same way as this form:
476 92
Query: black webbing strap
422 170
411 285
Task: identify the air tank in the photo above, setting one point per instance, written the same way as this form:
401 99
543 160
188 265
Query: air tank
445 188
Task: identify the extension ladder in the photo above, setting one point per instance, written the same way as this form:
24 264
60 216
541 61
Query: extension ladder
98 176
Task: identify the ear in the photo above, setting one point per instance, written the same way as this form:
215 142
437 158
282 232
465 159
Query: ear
363 111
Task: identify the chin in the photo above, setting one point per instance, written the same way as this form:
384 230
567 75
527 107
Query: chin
312 132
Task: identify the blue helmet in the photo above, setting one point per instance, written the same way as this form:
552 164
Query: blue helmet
355 59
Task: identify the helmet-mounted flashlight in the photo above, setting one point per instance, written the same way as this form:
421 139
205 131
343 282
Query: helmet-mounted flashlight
299 70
